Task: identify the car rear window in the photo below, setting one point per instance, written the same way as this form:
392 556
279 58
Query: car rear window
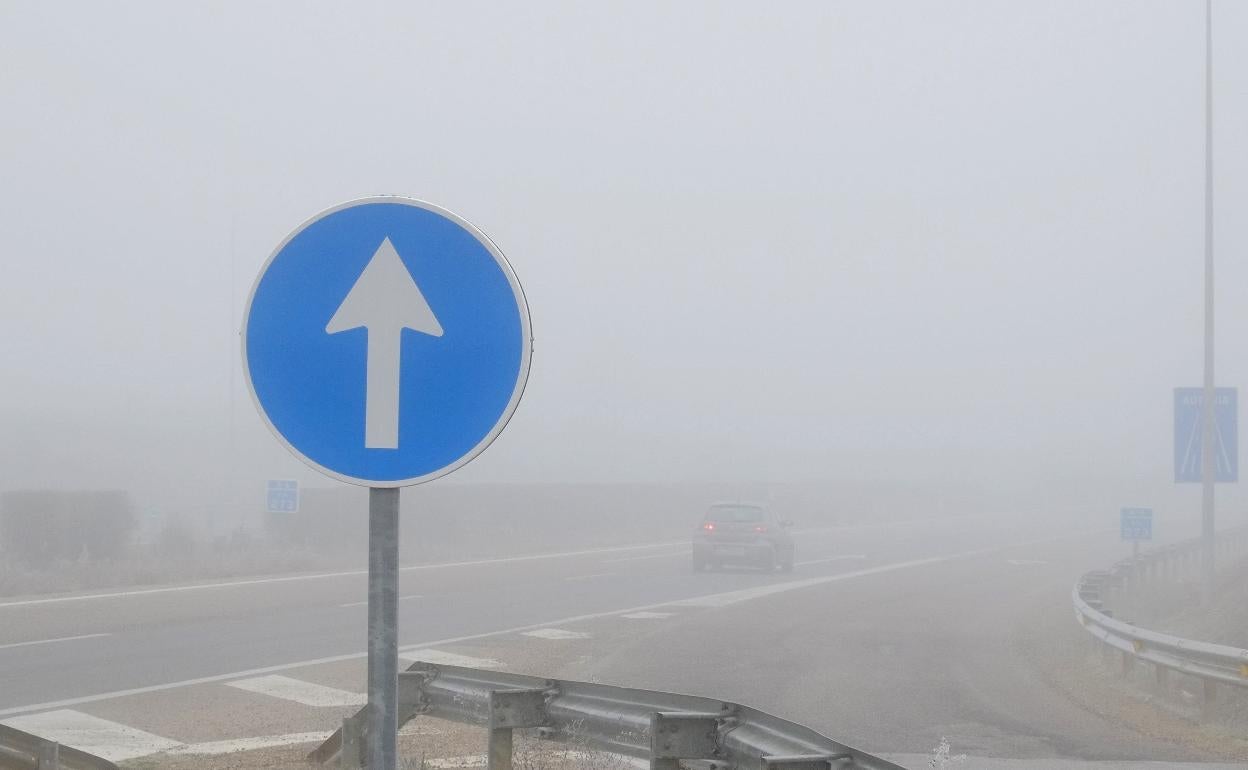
734 513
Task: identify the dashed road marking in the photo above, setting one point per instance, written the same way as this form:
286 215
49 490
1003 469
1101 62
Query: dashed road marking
299 691
556 633
647 615
441 658
110 740
51 641
1026 562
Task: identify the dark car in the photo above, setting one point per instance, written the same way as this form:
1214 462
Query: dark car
742 533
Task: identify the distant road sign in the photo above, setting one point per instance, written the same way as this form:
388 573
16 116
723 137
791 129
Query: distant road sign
1137 524
386 342
1189 428
282 496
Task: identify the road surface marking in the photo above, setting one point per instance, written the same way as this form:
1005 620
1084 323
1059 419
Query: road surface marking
326 575
110 740
591 577
365 602
440 658
50 641
213 748
650 556
299 691
846 557
65 702
1026 562
556 633
647 615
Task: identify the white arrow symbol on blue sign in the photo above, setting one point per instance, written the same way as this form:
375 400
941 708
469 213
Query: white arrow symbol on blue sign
385 300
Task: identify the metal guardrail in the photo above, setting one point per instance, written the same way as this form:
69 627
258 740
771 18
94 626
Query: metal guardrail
23 751
664 728
1213 664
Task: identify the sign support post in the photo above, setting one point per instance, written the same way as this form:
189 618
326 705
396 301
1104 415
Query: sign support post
1207 525
383 627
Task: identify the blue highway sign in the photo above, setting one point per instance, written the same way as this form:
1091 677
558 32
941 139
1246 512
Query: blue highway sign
386 342
1137 524
1189 429
282 496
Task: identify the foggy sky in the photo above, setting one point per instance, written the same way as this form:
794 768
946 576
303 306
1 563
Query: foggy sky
876 240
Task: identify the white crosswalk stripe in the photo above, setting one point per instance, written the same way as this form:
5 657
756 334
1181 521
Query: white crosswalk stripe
299 691
110 740
556 633
442 658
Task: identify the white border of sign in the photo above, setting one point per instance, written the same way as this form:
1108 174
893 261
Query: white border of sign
526 331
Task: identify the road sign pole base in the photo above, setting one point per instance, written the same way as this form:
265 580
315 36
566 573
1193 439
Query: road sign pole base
383 627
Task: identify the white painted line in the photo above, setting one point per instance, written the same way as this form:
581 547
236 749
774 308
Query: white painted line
647 615
505 631
1026 562
591 577
110 740
556 633
649 556
440 658
214 748
846 557
325 575
365 602
51 641
299 691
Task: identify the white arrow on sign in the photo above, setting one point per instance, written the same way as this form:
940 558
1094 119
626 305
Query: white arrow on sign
385 300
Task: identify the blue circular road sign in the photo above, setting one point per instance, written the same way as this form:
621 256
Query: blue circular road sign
386 342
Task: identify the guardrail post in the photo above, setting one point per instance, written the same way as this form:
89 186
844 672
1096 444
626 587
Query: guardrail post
1210 700
1128 664
49 756
351 756
675 736
510 709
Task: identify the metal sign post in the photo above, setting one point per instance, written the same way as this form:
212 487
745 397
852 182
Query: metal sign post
383 625
386 343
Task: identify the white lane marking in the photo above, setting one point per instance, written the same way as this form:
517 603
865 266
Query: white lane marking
501 632
647 615
326 575
110 740
441 658
213 748
1026 562
556 633
299 691
591 577
846 557
365 602
51 641
648 556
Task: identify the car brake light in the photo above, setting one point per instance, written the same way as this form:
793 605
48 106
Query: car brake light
760 528
709 526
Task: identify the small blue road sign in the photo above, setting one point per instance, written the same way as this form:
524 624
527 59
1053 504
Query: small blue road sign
1189 429
282 496
386 342
1137 524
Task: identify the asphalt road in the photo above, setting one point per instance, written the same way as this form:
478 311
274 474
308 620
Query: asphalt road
888 636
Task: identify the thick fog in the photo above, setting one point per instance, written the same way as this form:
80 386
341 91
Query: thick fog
890 243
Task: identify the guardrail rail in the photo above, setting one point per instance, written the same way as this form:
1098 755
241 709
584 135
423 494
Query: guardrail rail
1212 664
24 751
664 728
